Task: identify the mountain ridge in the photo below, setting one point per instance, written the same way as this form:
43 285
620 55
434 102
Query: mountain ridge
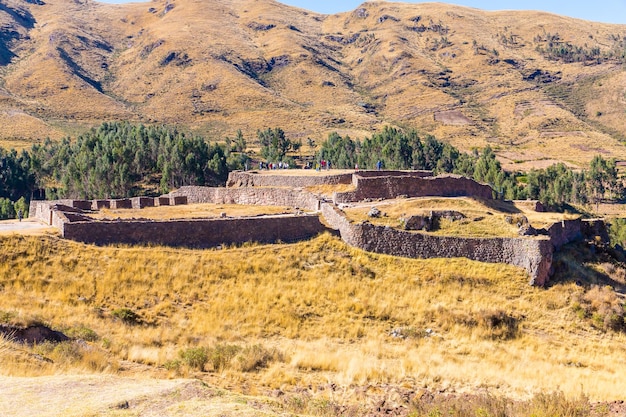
538 87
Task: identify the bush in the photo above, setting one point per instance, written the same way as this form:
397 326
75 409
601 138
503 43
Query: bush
127 315
194 358
253 358
602 307
553 404
221 356
83 333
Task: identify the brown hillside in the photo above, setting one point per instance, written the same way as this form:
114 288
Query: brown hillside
468 76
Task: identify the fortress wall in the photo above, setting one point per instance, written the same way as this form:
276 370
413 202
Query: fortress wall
200 233
141 202
59 219
595 229
532 254
387 173
253 196
564 232
254 179
42 209
391 187
121 203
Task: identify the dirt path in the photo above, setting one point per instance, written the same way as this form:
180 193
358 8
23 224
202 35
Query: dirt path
114 396
25 226
75 395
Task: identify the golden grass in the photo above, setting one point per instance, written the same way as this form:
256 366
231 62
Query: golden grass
191 211
482 219
328 310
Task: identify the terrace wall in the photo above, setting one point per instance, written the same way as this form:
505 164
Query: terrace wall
532 254
198 233
388 187
263 196
254 179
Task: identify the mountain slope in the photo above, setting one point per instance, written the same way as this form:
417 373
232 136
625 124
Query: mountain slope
538 87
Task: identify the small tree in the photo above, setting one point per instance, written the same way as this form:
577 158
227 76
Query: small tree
274 144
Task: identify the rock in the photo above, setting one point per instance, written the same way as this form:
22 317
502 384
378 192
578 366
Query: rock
527 230
418 223
374 212
361 13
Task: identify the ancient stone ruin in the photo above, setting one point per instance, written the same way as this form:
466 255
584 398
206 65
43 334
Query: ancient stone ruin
317 213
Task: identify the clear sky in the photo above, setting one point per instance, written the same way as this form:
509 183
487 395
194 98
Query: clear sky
609 11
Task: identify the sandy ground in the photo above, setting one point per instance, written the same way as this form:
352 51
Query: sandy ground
114 396
74 395
25 226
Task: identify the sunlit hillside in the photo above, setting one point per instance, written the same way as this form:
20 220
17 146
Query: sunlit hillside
538 87
311 327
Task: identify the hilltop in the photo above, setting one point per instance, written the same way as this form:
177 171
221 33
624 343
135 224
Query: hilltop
538 87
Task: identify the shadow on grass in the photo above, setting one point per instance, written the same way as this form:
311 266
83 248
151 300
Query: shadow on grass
502 206
590 265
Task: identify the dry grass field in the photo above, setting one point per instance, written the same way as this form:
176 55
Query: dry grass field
470 77
191 211
304 328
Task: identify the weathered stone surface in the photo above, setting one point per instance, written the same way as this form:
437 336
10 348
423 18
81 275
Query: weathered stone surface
534 255
531 253
249 179
388 187
100 204
122 203
199 233
287 197
141 202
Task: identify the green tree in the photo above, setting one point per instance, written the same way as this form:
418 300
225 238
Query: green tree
274 144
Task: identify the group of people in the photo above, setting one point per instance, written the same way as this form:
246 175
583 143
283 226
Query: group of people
319 165
272 165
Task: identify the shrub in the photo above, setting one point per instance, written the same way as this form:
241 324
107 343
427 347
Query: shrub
253 358
195 358
221 355
83 333
602 307
127 315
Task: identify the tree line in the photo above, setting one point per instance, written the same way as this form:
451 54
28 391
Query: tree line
555 186
121 159
114 160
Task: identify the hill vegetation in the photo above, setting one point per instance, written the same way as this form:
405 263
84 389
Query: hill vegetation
538 88
356 328
121 160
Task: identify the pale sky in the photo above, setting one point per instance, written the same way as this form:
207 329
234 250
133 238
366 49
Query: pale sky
609 11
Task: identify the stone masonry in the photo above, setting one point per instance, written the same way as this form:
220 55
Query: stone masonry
533 253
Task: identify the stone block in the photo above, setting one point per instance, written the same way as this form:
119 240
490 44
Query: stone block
178 200
122 203
100 204
82 204
141 202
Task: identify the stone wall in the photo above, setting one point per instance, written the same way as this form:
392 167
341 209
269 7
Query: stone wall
387 173
263 196
564 232
532 254
198 233
254 179
393 186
